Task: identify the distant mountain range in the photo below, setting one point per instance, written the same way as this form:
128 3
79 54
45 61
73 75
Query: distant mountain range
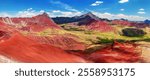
88 17
147 21
83 19
91 21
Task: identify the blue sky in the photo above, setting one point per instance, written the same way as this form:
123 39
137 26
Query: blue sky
112 9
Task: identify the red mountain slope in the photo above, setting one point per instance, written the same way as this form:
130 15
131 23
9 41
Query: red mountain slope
121 22
23 49
100 26
65 41
36 23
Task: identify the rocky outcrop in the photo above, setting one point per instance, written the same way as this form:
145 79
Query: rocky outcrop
118 53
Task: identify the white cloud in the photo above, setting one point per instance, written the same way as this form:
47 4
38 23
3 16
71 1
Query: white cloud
42 11
123 1
24 13
54 13
29 13
4 14
121 9
119 16
29 9
141 9
63 5
97 3
141 12
58 13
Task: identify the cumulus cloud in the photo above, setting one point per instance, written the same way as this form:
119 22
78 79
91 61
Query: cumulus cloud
58 13
119 16
123 1
121 9
24 13
97 3
29 13
54 13
141 11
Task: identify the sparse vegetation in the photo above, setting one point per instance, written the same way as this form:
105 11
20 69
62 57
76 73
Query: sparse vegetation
88 32
104 41
74 29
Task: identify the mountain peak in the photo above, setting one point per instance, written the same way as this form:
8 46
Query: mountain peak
91 15
43 15
147 21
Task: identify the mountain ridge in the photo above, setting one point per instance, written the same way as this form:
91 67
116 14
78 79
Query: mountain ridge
85 17
35 23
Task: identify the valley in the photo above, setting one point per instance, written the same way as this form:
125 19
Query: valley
80 39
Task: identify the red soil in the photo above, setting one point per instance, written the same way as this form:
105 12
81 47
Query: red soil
100 26
4 36
23 49
2 33
125 53
2 26
1 23
65 42
6 29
